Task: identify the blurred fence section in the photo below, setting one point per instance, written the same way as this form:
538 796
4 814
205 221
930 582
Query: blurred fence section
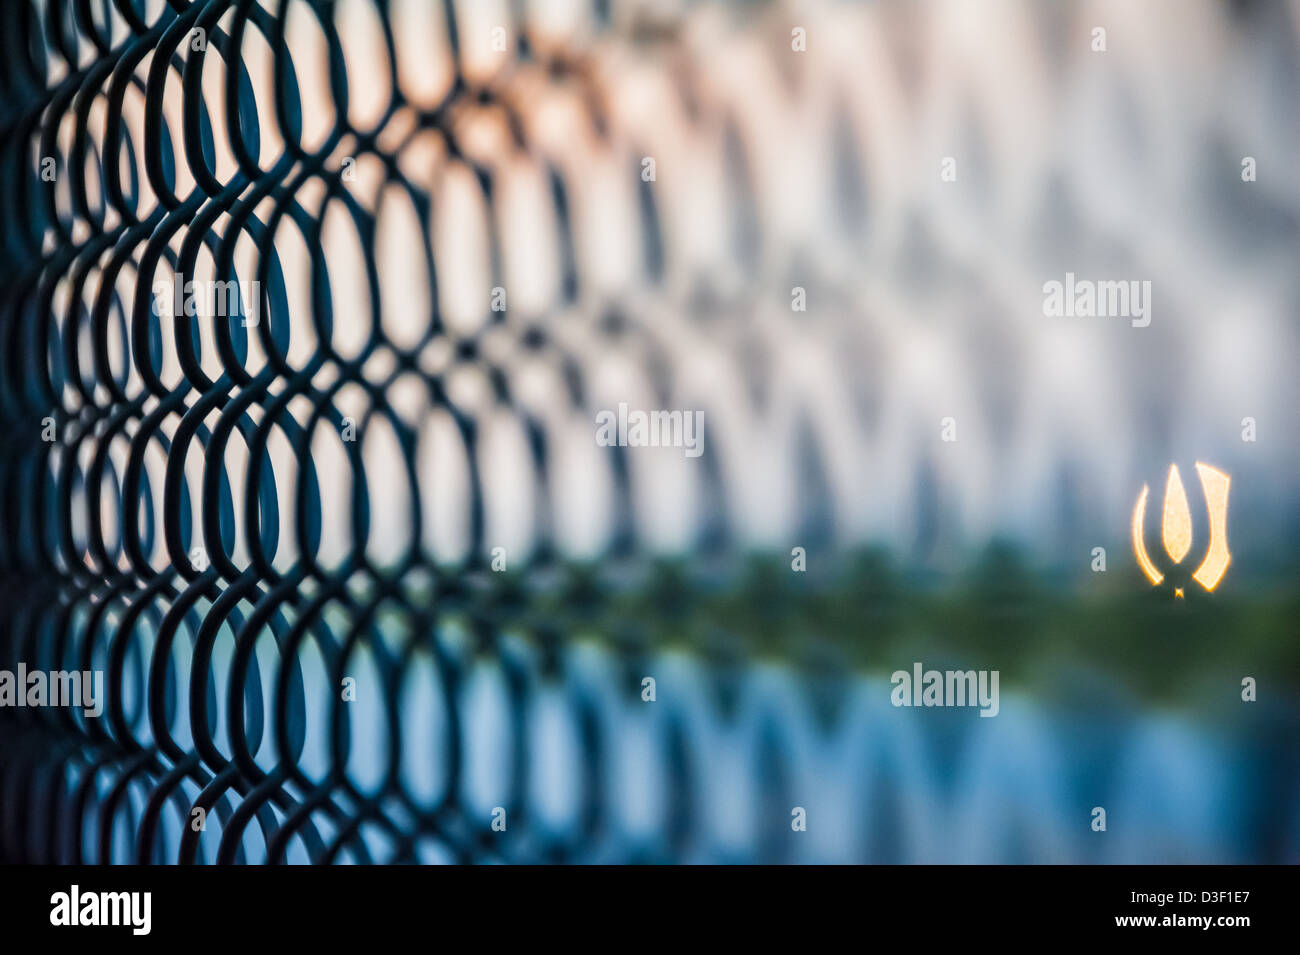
308 312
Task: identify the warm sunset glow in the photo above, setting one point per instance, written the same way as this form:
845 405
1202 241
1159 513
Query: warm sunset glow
1139 547
1215 483
1176 527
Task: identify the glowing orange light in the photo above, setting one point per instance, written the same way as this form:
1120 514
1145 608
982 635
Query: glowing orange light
1139 547
1176 527
1215 483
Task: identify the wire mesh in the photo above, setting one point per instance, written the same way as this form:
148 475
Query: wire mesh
307 309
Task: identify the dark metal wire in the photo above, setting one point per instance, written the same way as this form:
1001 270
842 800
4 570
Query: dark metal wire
223 660
126 786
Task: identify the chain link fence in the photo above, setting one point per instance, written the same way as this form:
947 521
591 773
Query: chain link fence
307 312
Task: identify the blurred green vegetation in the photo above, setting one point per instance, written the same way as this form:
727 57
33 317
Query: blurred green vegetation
866 613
